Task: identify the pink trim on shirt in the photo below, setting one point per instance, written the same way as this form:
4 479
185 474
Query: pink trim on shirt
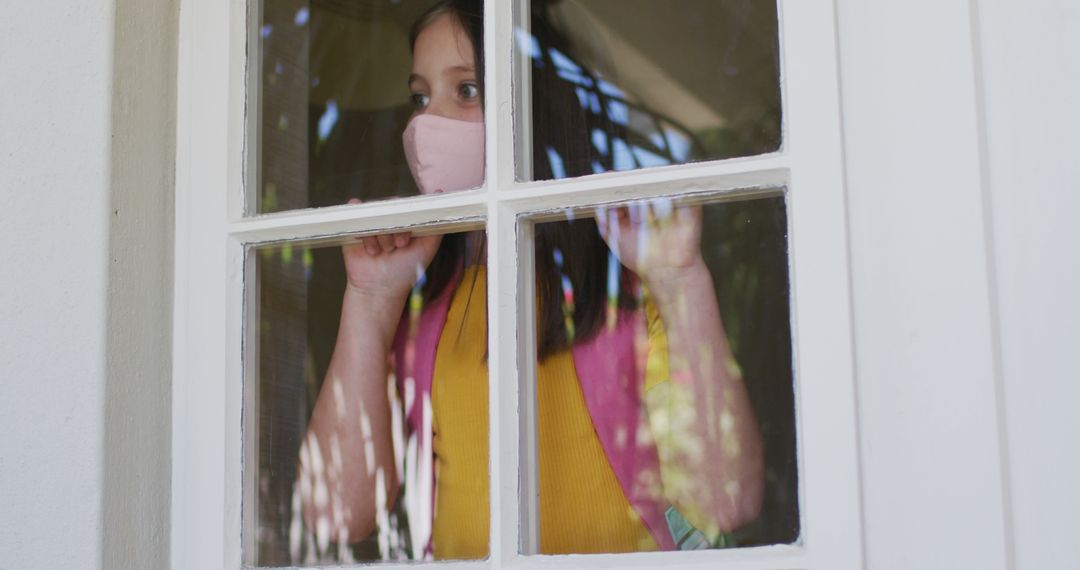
611 373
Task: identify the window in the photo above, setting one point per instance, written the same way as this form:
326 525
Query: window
225 285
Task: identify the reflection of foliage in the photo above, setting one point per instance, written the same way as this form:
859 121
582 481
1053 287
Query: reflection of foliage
722 142
745 246
624 134
300 292
574 101
587 124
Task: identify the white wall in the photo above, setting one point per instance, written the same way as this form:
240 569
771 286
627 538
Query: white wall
1031 75
86 150
54 224
960 124
923 326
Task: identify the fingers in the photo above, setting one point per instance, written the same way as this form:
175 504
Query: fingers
371 246
611 218
383 243
688 214
608 226
662 209
653 213
386 242
657 212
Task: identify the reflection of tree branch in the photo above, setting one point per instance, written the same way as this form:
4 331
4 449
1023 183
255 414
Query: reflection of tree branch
548 37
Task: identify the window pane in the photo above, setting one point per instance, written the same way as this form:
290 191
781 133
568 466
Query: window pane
665 401
351 410
625 84
338 89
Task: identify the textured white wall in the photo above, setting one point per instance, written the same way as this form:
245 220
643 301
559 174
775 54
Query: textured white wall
54 224
87 111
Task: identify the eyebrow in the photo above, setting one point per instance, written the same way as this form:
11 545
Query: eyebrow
455 69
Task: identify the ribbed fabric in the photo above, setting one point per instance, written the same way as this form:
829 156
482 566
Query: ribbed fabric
459 401
582 507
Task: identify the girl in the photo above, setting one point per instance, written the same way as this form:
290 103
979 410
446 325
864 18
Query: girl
646 434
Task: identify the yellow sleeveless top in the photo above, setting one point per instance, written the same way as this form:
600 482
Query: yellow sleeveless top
582 507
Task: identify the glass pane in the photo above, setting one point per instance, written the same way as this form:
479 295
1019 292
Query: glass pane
665 400
339 89
350 409
625 84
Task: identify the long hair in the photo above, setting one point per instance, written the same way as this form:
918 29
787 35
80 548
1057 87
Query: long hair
571 249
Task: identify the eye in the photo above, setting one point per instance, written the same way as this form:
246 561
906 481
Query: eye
469 91
419 100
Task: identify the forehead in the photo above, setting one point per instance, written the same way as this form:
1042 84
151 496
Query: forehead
442 44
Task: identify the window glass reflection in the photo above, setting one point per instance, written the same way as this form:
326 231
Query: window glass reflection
665 387
369 436
337 90
626 84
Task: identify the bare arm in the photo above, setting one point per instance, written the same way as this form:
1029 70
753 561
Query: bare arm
348 452
709 442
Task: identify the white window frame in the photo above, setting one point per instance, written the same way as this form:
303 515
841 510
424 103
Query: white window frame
211 234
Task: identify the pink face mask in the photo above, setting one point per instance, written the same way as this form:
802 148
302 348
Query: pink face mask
444 155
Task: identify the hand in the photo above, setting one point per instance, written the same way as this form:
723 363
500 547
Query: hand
653 239
387 265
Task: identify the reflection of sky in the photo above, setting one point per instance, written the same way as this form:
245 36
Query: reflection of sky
623 159
527 43
657 139
618 112
613 278
302 16
575 78
565 63
647 159
609 89
594 103
600 141
668 143
568 70
583 97
328 120
558 170
678 144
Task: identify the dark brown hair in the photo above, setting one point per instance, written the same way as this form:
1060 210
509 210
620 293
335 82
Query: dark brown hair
574 248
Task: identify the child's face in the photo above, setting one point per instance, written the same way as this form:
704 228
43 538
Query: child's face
443 80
